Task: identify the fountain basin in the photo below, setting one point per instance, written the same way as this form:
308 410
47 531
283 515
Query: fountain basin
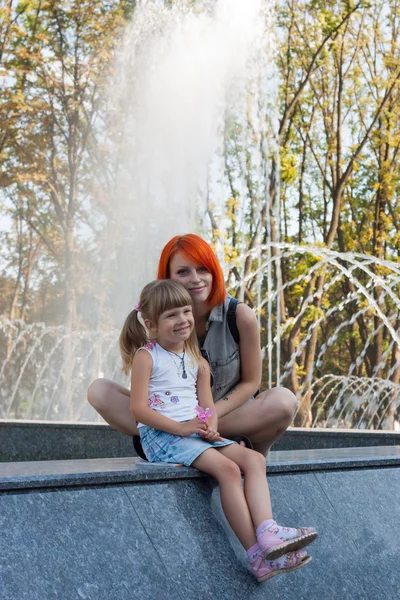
114 528
49 440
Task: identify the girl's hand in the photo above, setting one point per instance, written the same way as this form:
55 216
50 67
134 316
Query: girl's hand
212 435
193 426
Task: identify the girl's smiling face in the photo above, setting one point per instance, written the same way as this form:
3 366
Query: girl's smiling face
174 326
196 279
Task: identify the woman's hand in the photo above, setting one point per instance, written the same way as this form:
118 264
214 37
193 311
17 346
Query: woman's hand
193 426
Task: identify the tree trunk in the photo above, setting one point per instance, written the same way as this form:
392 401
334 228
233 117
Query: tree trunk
69 320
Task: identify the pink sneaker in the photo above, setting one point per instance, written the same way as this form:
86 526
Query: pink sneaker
291 539
265 569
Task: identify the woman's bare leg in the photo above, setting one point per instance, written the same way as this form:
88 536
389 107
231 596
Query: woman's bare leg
112 402
263 420
233 500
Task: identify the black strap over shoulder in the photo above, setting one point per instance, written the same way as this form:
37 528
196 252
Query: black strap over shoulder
231 316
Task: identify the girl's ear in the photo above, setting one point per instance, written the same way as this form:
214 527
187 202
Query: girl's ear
150 325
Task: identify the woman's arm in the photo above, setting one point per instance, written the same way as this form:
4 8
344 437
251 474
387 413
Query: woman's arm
250 362
204 395
205 400
142 365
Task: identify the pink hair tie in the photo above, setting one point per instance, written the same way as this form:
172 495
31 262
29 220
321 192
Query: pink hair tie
137 307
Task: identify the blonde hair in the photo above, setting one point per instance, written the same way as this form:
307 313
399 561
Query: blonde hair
156 297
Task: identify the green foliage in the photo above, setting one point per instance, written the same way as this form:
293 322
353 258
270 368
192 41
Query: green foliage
53 57
339 149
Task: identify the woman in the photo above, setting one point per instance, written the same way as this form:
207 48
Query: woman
236 367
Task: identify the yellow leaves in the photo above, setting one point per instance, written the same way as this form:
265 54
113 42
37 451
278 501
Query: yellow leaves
232 252
18 102
288 166
232 204
296 291
300 370
396 240
23 53
313 313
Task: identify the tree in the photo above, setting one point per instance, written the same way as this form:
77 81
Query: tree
347 105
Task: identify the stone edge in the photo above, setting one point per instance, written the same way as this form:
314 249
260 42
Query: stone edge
149 474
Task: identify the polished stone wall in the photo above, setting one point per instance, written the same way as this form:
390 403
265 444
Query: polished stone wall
166 540
38 440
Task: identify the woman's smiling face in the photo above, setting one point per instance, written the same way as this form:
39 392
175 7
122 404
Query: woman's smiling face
196 279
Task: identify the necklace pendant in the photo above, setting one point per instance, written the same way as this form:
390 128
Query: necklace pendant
181 369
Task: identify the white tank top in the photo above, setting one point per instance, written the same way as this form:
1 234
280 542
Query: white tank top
169 393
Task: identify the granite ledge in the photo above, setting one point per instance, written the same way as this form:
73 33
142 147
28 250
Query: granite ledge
87 472
53 440
294 431
42 424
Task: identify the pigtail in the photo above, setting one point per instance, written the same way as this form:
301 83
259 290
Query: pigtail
156 297
132 337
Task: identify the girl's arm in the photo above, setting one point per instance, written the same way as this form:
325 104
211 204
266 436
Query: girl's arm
250 362
142 365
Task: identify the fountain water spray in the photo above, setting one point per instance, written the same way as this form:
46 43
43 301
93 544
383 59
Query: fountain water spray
183 69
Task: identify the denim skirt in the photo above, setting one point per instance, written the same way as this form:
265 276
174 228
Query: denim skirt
160 446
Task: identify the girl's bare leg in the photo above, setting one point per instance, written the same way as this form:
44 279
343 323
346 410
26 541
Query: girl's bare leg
256 490
233 500
263 420
112 402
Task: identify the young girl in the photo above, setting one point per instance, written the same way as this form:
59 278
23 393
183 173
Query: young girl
170 385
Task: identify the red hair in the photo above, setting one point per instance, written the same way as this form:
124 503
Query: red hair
197 251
